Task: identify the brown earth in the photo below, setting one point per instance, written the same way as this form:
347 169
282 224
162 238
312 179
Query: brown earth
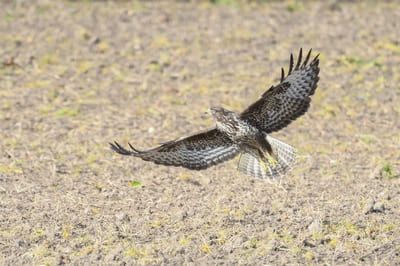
77 75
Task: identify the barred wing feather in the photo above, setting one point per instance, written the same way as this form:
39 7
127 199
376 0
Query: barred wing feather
197 152
282 104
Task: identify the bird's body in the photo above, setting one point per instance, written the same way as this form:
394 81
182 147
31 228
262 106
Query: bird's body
259 158
246 133
233 126
240 131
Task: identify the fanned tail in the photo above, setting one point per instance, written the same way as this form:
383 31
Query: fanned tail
286 155
250 164
270 166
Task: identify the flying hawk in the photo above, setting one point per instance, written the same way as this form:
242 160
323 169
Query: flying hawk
246 133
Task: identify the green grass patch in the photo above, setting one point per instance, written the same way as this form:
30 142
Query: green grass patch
66 232
205 248
366 139
254 243
43 9
388 46
12 168
356 61
39 84
155 66
67 112
42 252
45 109
8 17
136 253
184 240
387 169
318 236
308 256
84 66
135 184
160 42
293 6
37 234
333 243
224 2
48 59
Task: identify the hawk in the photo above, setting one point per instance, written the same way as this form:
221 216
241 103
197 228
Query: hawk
245 133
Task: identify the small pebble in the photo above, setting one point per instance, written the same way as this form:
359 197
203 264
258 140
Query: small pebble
314 227
369 205
272 245
378 207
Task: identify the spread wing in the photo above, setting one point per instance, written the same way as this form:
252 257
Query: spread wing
197 152
285 102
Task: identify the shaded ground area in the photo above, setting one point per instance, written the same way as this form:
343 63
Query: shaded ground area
75 76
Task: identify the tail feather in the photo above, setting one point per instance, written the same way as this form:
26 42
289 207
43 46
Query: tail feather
286 155
249 164
281 160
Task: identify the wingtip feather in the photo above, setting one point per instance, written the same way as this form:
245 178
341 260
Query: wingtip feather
307 58
121 150
291 64
299 59
316 58
133 148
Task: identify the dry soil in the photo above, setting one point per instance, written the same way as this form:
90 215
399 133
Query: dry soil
77 75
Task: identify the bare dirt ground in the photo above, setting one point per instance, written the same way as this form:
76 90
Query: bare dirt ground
77 75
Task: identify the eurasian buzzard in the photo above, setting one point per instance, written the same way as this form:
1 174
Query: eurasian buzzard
246 133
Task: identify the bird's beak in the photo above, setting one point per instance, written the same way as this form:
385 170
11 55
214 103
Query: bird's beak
207 114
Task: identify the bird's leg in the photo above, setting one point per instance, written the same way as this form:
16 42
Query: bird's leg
267 159
268 163
262 163
271 158
266 152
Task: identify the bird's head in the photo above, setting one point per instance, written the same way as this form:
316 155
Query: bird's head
224 118
219 113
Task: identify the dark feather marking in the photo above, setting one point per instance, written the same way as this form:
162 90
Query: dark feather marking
135 150
299 59
290 65
119 149
307 58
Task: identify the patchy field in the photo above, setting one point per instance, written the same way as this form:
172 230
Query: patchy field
75 76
